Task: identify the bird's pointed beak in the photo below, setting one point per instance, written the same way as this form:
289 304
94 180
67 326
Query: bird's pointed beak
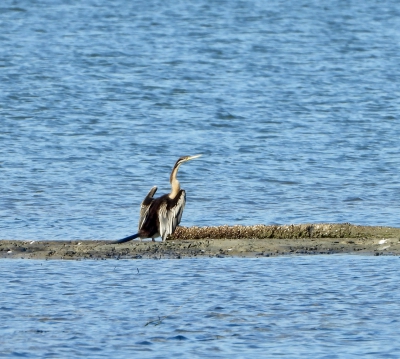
193 157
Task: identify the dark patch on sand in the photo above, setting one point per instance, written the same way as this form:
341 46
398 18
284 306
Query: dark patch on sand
223 241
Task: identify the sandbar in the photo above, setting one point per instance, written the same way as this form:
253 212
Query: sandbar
221 242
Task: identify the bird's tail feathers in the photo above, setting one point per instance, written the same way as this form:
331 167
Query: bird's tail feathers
126 239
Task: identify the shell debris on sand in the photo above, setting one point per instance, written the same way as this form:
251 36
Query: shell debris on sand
260 231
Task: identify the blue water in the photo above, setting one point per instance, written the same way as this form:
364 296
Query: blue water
294 105
290 307
295 108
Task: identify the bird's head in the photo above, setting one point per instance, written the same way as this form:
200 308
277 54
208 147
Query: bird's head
185 159
172 179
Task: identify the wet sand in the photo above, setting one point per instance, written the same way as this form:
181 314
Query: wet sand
223 241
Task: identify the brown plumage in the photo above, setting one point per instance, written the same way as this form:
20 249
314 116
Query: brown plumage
160 216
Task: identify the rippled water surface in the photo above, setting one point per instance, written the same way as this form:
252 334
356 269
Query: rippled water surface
291 307
294 104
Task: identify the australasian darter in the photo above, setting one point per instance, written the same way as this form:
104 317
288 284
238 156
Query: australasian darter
160 216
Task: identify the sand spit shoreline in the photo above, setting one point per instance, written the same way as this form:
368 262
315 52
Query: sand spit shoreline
222 241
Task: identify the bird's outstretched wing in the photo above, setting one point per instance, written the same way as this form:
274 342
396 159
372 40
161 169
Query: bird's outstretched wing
144 207
170 217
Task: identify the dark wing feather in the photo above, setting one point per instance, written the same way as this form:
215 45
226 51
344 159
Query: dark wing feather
144 207
170 214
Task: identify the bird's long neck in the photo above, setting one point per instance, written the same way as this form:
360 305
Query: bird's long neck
175 186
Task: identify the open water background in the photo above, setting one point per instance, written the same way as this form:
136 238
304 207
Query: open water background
294 104
285 307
